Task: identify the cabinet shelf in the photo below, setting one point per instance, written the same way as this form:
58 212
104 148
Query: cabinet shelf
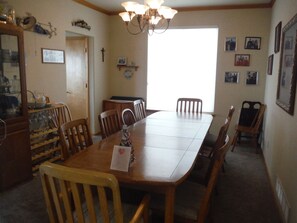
45 153
128 66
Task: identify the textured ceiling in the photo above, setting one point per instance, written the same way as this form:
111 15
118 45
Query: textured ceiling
113 6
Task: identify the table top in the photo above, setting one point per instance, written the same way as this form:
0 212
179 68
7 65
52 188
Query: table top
165 145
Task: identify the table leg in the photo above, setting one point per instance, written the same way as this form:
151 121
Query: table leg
169 204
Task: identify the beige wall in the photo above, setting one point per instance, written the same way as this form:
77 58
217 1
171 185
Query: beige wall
51 78
239 23
280 148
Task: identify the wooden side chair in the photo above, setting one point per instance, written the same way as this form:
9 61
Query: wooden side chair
253 131
74 137
204 164
60 115
128 117
109 122
192 200
210 139
139 109
193 105
70 196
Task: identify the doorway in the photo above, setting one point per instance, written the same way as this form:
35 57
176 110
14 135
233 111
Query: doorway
77 97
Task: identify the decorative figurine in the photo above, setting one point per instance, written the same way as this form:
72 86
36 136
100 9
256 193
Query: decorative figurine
126 141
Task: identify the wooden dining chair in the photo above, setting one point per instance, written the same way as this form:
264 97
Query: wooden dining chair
206 156
78 195
139 109
109 122
192 200
253 131
60 114
193 105
128 117
211 139
74 137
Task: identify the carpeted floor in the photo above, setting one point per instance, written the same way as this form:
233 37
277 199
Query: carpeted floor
244 195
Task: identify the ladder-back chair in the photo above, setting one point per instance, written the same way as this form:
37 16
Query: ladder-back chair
109 122
193 105
74 136
78 195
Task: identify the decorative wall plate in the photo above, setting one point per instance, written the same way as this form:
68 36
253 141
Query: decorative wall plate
128 74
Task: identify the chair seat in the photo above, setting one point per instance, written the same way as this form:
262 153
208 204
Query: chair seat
128 212
188 199
246 129
210 140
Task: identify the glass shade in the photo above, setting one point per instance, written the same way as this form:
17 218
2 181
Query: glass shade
168 13
154 20
154 4
126 16
129 6
141 9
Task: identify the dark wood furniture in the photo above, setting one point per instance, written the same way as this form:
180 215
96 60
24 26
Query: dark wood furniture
15 157
74 137
165 144
109 122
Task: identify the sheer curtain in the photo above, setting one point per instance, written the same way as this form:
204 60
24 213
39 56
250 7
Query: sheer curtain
182 63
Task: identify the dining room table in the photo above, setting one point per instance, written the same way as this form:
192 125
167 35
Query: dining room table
166 145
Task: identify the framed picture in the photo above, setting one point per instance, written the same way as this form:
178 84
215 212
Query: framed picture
286 88
122 61
251 78
52 56
277 36
288 42
242 60
230 44
232 77
270 64
252 43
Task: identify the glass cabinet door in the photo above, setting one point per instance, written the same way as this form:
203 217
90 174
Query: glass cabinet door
10 78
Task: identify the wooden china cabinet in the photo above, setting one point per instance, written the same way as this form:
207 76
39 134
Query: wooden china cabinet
15 156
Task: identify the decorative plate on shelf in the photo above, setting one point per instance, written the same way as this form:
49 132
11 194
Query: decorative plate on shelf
128 74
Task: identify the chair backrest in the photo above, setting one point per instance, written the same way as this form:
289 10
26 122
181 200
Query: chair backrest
248 112
74 137
60 114
257 122
216 162
193 105
139 109
128 117
70 197
109 122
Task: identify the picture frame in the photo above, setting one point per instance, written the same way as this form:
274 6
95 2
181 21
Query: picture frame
251 78
277 37
286 87
242 60
122 61
52 56
230 44
270 64
252 43
231 77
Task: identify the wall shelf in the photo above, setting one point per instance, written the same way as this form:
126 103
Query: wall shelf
127 66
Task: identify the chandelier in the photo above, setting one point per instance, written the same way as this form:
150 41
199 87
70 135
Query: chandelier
150 17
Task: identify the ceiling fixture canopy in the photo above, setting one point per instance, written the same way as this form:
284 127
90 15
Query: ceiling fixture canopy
150 17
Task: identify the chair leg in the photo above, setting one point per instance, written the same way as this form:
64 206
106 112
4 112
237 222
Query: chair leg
234 140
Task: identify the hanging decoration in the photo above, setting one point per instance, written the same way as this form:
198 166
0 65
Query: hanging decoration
82 24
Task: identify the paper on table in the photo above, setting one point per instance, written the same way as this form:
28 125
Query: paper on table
120 158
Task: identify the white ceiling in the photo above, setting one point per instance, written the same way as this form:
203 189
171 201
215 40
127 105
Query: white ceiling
115 5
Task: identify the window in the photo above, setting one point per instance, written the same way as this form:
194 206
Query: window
182 63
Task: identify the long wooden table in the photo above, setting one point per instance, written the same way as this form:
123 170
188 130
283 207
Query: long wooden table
166 145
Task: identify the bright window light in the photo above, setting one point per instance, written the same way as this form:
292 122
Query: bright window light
182 63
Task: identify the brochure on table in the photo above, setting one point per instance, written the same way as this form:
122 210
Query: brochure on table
120 158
